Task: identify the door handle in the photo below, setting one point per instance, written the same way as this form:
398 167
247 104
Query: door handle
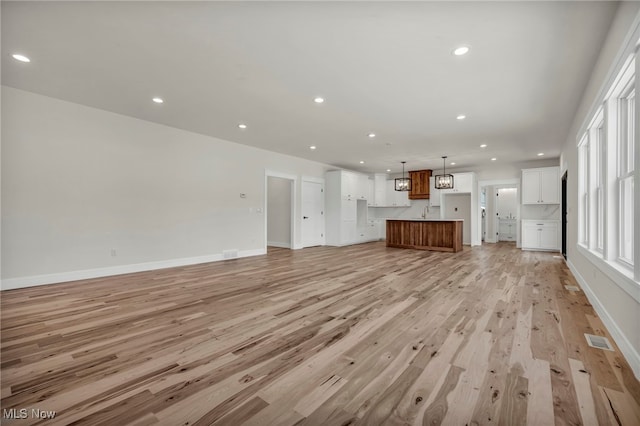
305 217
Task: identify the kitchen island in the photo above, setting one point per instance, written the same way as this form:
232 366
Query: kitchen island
425 234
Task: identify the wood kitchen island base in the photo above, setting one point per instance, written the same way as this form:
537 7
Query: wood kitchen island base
422 234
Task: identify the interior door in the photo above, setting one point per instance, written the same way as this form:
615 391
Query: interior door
312 214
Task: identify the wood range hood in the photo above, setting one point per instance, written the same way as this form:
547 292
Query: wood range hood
419 184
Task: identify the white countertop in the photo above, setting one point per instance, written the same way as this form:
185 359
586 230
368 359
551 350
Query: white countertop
424 220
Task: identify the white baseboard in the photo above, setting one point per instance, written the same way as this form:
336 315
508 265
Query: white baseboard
85 274
278 244
628 351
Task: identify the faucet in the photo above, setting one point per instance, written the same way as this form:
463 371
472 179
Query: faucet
425 210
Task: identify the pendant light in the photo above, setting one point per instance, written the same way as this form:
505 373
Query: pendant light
444 181
403 183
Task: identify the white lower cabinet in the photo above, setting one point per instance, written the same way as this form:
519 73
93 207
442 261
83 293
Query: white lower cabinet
382 228
540 235
371 231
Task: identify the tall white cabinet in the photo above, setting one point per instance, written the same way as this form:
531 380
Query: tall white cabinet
541 186
346 208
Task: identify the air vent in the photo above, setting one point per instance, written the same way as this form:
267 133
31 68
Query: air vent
572 288
230 254
598 342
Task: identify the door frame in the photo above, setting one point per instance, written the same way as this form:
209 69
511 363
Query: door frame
294 202
324 224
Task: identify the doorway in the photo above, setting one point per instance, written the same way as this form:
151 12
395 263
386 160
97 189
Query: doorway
506 212
279 212
564 215
312 213
502 222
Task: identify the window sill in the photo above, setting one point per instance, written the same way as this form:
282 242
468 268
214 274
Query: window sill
620 275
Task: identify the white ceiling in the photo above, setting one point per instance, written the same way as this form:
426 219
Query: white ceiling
383 67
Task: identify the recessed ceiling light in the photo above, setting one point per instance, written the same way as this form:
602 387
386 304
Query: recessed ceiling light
242 126
312 147
318 100
484 145
461 117
157 100
372 135
361 162
21 58
540 154
494 159
388 170
462 50
453 164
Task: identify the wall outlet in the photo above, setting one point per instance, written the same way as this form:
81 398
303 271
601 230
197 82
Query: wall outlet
113 253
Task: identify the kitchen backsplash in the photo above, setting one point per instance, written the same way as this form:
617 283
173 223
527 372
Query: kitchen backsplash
540 212
415 211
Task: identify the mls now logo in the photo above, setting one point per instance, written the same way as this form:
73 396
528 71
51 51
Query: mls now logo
23 413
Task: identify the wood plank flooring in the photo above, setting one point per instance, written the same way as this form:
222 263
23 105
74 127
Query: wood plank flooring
359 335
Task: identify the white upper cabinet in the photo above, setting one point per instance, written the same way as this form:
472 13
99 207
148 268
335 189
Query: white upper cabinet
396 198
462 182
380 188
434 194
402 197
362 187
353 186
541 186
348 184
371 194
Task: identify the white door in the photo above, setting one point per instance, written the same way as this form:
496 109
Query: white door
312 214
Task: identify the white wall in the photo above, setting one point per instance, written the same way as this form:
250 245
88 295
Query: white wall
458 206
78 182
504 171
279 212
507 203
618 309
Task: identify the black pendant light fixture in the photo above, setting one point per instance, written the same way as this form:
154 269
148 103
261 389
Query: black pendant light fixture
403 183
444 181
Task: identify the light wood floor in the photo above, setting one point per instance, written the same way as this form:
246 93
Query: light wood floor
360 335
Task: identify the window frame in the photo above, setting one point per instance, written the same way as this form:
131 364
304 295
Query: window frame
607 151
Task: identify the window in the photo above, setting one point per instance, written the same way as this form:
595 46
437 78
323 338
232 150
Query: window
606 174
626 173
583 191
597 146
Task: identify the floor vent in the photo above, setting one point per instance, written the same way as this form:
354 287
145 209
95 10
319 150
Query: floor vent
557 257
572 288
229 254
598 342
